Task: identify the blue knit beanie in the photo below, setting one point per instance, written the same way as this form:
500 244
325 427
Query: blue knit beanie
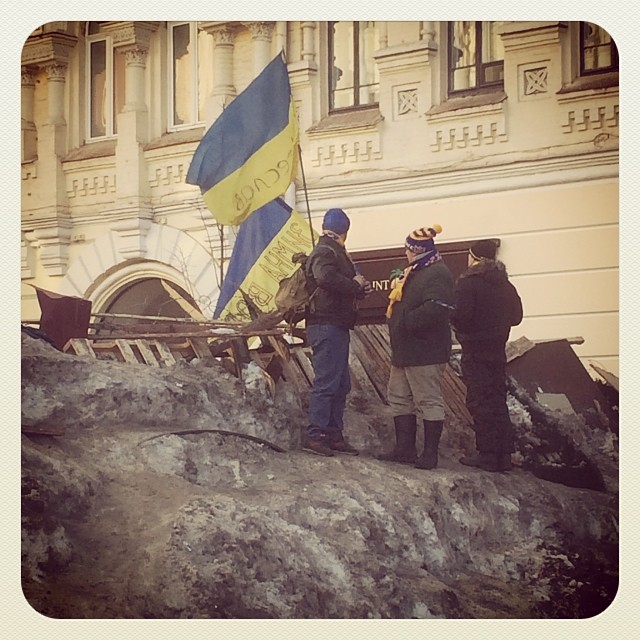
336 220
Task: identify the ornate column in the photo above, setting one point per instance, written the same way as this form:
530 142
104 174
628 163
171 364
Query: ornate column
27 126
56 72
261 35
223 91
135 58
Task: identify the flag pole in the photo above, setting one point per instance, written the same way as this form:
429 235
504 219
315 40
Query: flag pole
306 196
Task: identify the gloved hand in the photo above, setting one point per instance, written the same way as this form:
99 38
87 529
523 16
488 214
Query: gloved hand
364 283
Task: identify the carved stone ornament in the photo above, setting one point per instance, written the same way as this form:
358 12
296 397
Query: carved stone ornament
260 30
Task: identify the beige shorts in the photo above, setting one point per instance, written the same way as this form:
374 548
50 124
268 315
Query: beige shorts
417 390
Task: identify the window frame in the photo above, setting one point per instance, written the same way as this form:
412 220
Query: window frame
612 68
357 86
195 120
111 126
481 86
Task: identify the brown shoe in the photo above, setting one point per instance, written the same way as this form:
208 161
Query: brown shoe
317 446
342 446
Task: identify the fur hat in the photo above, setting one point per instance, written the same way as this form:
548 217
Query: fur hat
421 240
336 220
483 249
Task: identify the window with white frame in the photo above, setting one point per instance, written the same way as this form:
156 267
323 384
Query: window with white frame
598 52
353 73
476 57
105 82
190 56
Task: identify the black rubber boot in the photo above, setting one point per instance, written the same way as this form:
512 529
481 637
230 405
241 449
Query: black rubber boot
432 433
405 449
484 460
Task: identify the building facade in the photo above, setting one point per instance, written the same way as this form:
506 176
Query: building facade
505 130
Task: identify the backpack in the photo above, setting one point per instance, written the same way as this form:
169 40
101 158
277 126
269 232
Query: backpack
292 295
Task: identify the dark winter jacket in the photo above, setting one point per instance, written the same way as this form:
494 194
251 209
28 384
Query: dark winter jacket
487 305
419 323
330 270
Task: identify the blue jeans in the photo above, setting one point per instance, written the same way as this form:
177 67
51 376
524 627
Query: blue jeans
331 383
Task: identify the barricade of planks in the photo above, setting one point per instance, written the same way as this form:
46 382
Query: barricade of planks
158 345
370 363
369 357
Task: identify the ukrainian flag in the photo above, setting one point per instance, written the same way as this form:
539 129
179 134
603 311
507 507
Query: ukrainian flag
248 156
261 258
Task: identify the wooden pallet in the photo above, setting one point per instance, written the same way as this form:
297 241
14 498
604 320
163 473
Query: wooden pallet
154 353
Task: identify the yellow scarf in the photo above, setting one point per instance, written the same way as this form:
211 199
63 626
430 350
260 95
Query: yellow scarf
395 295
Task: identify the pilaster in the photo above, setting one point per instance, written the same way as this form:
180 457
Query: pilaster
223 91
29 136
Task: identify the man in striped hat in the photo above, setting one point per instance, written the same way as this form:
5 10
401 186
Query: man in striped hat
420 303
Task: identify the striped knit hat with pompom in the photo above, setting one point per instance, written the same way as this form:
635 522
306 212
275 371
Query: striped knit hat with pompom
421 240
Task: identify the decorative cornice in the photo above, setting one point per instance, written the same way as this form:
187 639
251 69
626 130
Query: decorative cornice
51 47
131 33
404 56
525 35
442 182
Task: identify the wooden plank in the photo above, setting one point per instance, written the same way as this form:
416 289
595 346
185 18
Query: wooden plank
375 370
516 348
381 335
184 304
146 352
200 347
165 354
610 378
280 347
358 372
454 392
127 352
304 360
81 347
293 373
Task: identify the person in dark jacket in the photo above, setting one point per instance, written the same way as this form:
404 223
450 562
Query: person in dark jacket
487 306
420 303
335 289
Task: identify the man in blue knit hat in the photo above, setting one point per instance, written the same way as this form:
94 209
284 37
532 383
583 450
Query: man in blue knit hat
335 288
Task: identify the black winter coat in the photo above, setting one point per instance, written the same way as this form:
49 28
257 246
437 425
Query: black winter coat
487 305
419 324
330 270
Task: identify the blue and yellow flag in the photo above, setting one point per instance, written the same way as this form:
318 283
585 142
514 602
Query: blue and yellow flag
261 258
248 156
